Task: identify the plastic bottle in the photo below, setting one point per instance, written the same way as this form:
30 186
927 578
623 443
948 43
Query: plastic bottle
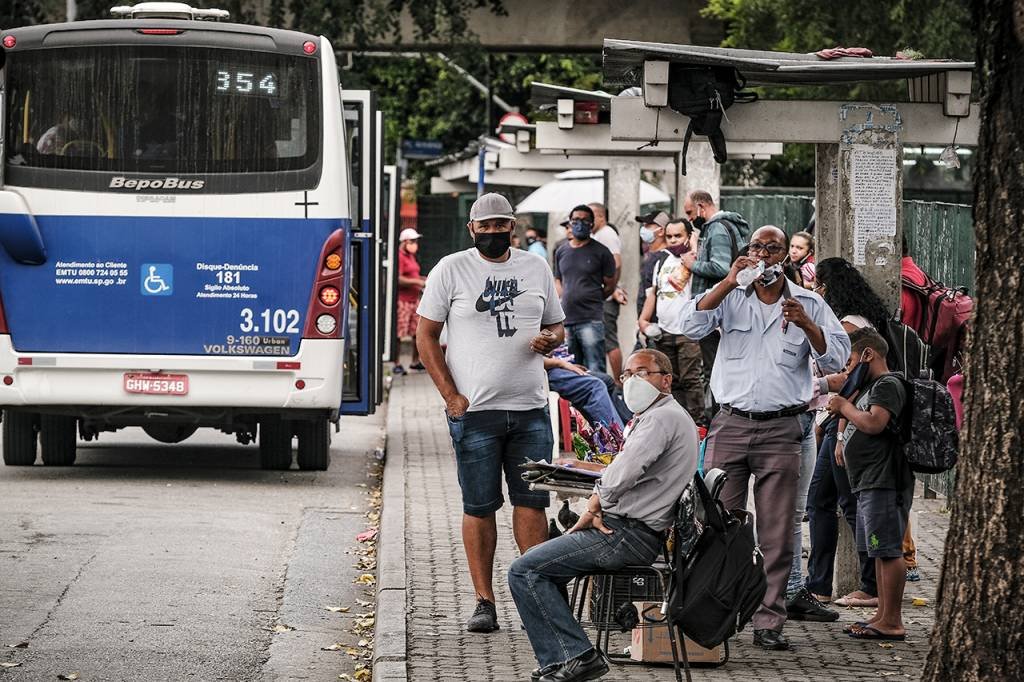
746 276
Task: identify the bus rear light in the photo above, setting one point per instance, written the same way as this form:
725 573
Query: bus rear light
330 296
160 31
300 384
309 47
326 324
8 380
284 364
333 261
10 41
24 361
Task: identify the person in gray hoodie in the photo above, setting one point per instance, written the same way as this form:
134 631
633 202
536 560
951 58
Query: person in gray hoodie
723 238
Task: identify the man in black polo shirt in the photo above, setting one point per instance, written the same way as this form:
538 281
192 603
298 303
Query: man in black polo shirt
584 276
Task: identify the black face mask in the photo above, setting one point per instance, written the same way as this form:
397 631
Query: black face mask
858 377
699 222
492 244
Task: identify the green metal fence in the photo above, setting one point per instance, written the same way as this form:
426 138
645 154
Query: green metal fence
786 211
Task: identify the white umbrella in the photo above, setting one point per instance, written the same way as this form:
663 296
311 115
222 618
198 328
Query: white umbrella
573 188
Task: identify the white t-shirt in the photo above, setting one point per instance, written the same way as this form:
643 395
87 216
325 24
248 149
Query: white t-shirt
492 311
671 300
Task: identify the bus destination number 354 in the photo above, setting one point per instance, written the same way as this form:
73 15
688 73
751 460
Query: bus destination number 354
276 321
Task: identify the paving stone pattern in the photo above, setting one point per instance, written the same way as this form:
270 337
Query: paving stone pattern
440 594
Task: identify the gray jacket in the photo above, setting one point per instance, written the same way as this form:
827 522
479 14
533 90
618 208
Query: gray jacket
717 250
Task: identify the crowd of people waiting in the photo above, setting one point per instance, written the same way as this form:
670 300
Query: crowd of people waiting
784 360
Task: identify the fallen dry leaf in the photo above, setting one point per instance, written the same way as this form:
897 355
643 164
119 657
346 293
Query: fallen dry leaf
365 579
338 609
344 676
19 645
333 647
9 664
364 603
920 601
282 628
354 653
69 676
886 645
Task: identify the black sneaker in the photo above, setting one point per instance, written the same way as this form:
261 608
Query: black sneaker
417 367
484 619
803 606
589 666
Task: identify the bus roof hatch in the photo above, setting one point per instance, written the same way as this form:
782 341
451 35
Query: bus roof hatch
167 10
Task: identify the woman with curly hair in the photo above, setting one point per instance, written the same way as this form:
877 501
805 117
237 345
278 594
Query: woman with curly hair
857 306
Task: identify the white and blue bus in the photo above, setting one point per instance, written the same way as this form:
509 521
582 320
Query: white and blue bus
190 236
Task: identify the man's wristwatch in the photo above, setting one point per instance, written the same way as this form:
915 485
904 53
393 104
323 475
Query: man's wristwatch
841 437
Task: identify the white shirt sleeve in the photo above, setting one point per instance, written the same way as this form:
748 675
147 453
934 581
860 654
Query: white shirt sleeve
437 294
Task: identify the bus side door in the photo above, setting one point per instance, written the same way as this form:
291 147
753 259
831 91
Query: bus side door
392 196
362 387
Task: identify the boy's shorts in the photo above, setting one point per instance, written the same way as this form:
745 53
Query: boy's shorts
882 518
491 442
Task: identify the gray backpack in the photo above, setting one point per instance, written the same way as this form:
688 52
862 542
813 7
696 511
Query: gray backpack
927 427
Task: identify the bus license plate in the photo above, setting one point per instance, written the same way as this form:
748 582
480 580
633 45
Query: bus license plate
156 384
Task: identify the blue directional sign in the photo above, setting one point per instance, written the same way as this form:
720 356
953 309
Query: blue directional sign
422 149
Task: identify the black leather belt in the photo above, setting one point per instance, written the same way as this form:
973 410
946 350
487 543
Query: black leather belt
765 416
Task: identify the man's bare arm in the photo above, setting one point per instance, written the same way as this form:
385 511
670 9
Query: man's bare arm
428 343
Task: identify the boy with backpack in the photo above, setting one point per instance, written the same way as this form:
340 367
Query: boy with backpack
880 477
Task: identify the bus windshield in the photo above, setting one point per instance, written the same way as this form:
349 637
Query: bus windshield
162 109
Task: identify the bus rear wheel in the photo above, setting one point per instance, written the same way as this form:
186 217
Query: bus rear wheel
19 438
314 444
58 436
275 443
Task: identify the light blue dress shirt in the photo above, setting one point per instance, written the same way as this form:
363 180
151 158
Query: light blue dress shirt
760 367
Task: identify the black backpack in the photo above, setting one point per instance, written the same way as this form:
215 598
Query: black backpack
703 93
719 578
927 427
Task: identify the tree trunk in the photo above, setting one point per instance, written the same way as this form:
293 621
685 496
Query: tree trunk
979 626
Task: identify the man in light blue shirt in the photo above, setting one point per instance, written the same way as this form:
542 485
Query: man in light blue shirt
771 330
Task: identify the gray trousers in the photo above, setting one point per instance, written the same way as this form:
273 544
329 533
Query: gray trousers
770 450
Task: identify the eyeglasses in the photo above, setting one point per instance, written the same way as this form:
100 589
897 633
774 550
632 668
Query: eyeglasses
642 373
770 248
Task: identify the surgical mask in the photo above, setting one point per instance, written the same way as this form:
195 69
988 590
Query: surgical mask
770 274
639 394
580 229
646 235
492 244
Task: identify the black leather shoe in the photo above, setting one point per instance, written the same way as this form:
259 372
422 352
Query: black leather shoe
590 666
771 640
803 606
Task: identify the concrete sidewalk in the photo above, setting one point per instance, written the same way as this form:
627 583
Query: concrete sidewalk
438 594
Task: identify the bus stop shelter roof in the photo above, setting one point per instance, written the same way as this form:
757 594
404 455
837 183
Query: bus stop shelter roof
624 64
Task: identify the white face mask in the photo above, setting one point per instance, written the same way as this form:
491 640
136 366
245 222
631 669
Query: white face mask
639 394
771 274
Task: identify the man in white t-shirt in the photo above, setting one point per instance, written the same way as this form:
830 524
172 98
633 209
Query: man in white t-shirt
670 291
607 235
502 315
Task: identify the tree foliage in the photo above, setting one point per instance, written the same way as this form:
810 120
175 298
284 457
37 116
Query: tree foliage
934 28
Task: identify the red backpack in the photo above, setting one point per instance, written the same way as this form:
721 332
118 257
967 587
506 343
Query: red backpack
945 314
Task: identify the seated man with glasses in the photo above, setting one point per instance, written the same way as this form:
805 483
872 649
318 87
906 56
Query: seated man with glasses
624 523
762 378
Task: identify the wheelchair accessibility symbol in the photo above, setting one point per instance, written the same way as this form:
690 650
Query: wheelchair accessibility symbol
157 279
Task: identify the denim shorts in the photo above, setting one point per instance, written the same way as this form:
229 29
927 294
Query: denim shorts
488 442
882 518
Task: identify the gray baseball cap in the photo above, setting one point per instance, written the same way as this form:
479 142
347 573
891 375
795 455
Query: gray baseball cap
491 205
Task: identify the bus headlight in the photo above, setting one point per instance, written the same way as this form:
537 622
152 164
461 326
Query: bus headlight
326 324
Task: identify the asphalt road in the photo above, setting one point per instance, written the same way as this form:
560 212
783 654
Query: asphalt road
164 562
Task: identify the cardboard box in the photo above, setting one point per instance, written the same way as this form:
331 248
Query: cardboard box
652 645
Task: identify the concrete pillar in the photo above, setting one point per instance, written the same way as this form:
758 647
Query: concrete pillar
702 172
859 191
827 235
623 207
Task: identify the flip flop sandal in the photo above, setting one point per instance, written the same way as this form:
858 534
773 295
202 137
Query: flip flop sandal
849 628
870 632
856 602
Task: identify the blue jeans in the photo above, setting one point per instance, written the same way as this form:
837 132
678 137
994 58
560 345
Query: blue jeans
489 441
535 578
808 450
586 342
830 486
587 393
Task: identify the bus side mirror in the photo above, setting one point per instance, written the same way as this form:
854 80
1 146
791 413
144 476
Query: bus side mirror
19 233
